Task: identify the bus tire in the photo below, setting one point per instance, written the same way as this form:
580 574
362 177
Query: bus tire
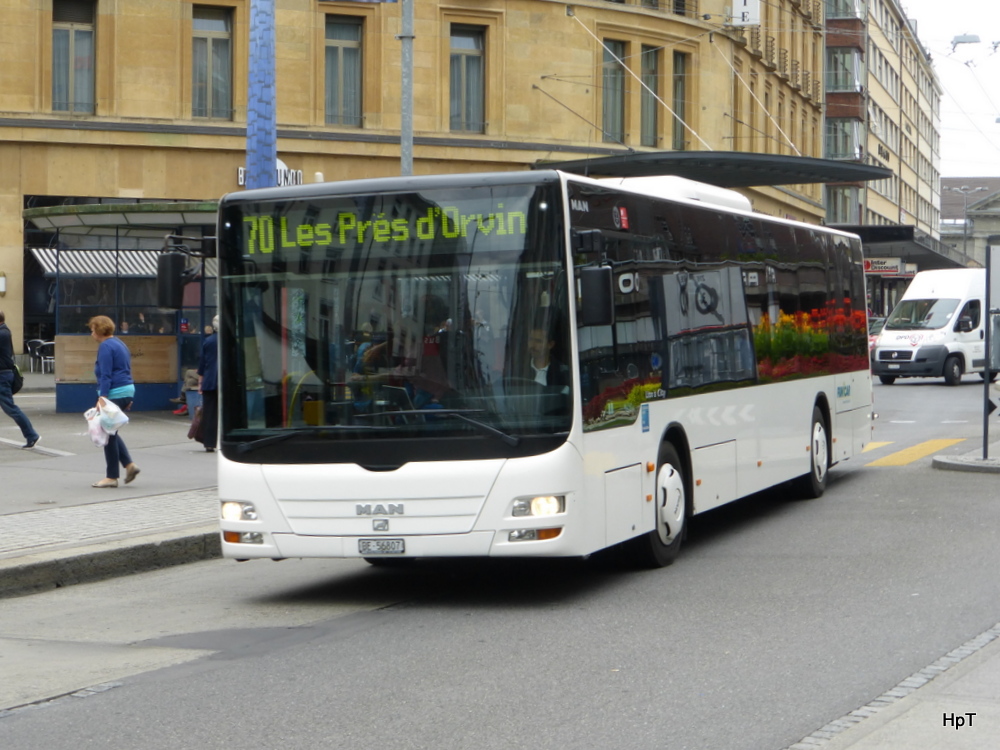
813 484
660 547
953 370
887 379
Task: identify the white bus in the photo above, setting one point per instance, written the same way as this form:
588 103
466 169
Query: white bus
523 364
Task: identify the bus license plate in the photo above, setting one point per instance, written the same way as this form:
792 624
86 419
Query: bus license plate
381 546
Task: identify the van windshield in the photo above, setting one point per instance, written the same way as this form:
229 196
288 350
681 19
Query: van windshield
921 314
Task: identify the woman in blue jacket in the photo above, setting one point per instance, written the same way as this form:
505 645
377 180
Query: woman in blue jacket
114 382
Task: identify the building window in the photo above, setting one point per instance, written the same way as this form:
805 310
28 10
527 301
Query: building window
843 138
73 56
845 8
680 100
613 91
343 71
468 84
650 96
211 63
843 69
843 205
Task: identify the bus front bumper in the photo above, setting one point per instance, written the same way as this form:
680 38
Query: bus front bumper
278 546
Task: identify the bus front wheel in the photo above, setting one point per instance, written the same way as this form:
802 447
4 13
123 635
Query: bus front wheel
660 547
813 484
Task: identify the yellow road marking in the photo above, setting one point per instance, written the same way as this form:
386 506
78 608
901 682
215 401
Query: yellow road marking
874 446
914 453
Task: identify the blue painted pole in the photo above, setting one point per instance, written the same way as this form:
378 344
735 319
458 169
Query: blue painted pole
262 140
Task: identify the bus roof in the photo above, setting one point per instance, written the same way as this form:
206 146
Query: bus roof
668 187
399 184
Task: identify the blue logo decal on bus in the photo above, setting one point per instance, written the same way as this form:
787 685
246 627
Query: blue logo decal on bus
843 391
644 415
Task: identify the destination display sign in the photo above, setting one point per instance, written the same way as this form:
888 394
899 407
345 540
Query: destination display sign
271 233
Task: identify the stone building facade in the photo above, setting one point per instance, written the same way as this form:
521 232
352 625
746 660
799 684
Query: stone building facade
110 101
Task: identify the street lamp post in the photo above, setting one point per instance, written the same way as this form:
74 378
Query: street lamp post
966 191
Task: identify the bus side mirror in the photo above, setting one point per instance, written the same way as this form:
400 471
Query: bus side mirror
597 302
170 280
588 241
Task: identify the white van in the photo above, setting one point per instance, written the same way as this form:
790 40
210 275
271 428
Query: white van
936 329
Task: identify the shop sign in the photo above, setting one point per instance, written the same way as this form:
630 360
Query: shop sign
884 266
746 13
282 174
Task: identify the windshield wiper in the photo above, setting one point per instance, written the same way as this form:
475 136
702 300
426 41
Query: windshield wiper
461 414
291 432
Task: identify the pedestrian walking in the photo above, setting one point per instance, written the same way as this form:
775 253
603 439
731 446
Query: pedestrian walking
113 369
12 410
208 387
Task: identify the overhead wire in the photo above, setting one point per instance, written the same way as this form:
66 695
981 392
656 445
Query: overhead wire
642 83
756 99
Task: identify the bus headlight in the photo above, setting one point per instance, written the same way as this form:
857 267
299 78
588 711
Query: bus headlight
235 511
541 505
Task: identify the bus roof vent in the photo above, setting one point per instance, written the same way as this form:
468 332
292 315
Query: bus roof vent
671 187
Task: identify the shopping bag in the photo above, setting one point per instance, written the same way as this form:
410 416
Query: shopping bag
97 433
112 417
196 430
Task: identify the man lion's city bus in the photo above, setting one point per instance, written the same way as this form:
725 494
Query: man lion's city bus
527 364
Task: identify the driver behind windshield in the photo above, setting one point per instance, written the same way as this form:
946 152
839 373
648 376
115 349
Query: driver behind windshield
546 369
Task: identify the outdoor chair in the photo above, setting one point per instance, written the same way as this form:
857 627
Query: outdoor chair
32 347
47 354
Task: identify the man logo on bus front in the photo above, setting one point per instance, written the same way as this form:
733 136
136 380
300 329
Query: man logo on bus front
389 509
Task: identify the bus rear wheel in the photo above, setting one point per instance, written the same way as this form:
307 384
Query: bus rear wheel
813 484
660 547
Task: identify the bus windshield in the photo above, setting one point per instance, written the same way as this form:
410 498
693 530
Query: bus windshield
401 316
921 314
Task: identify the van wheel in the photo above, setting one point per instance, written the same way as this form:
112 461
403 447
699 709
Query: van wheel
813 484
953 370
660 547
887 379
992 376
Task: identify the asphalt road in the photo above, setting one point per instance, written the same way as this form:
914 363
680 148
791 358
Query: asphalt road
779 617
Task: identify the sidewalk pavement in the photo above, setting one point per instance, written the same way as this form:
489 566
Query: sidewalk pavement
56 530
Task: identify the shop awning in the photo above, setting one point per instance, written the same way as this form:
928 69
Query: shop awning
151 219
96 263
136 264
909 244
729 169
